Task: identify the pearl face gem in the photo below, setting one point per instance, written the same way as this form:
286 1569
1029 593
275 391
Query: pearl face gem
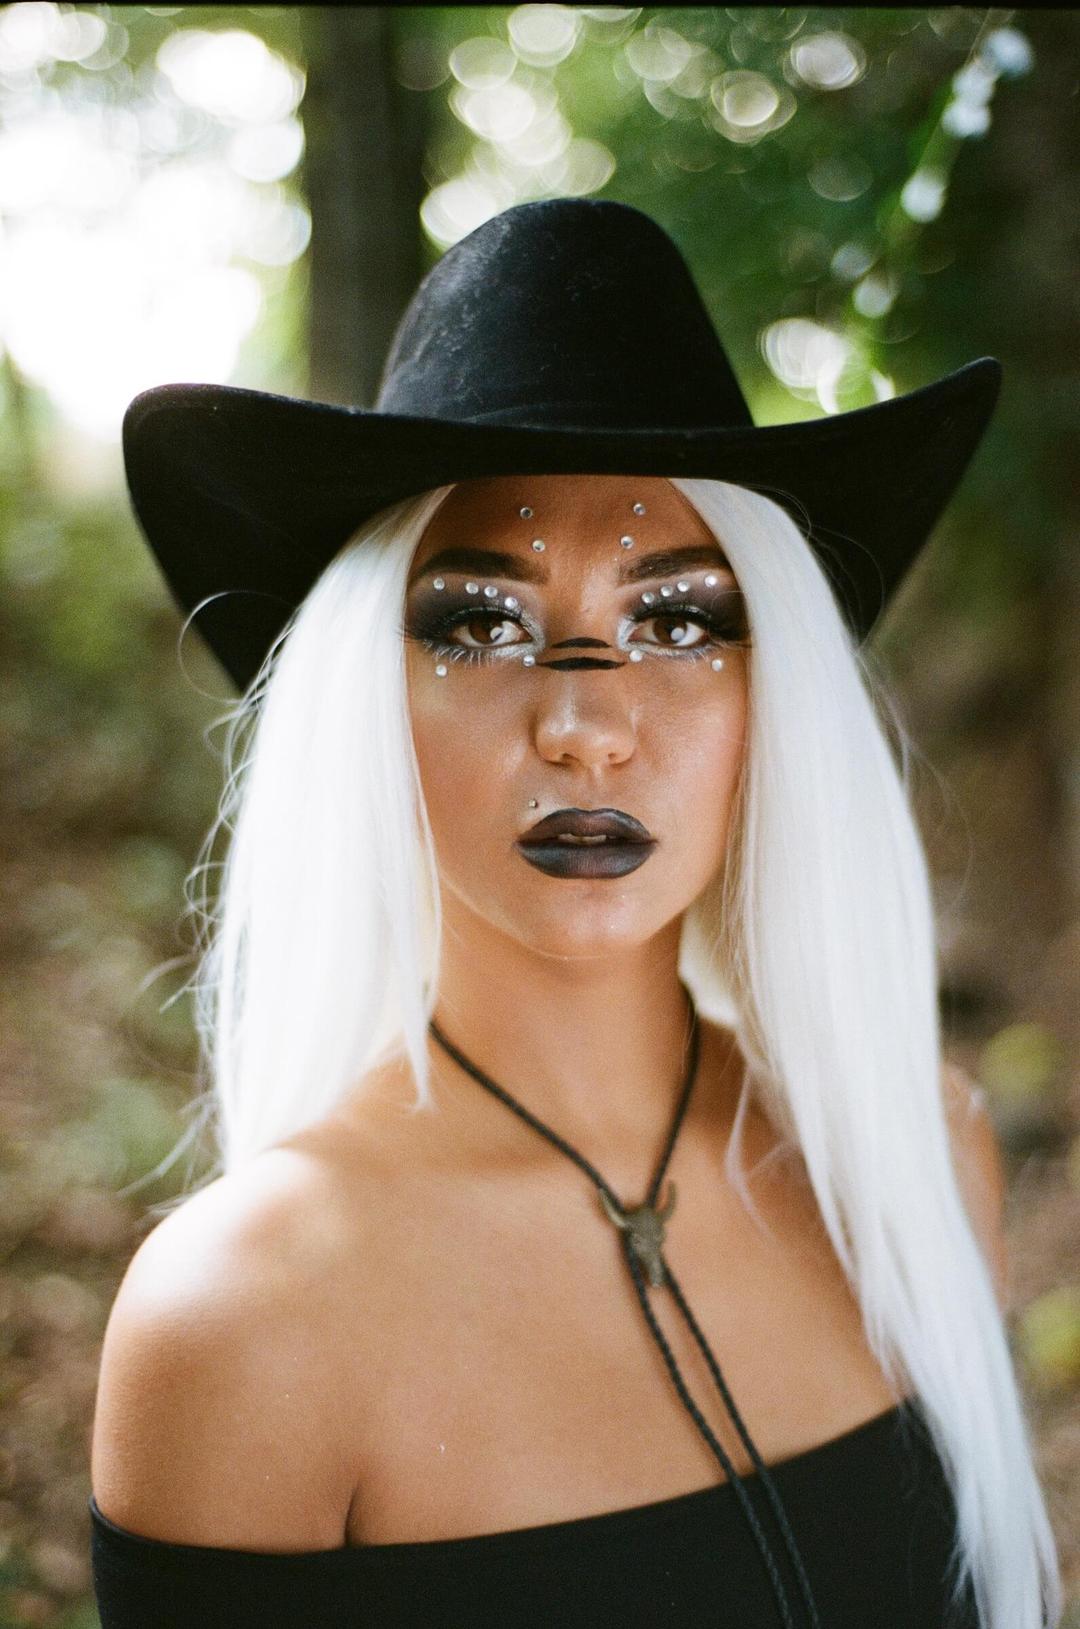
528 661
441 670
539 545
639 509
472 588
682 587
440 582
648 598
490 590
525 512
510 602
666 591
626 542
717 663
636 655
711 580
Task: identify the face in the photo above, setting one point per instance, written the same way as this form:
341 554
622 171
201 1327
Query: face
592 673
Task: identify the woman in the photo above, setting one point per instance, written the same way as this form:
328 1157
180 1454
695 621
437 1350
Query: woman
599 1239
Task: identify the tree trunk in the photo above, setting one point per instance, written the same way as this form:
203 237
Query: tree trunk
363 173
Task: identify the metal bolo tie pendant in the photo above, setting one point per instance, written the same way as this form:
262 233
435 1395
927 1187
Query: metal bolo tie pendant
641 1229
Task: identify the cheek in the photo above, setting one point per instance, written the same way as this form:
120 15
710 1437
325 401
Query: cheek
465 752
700 758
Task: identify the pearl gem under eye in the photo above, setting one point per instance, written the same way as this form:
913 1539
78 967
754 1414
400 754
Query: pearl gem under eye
526 513
539 545
441 671
639 509
528 661
472 588
626 542
510 602
682 587
666 591
717 663
636 655
440 582
710 581
648 598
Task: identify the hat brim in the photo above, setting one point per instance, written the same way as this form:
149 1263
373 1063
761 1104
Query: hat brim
245 496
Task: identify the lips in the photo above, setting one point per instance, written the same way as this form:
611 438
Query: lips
587 843
612 824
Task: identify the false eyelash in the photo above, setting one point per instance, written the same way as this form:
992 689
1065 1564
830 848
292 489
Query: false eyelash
722 630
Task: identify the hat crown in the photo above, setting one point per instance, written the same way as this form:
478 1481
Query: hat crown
564 312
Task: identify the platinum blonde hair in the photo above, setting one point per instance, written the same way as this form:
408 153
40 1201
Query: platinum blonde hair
319 956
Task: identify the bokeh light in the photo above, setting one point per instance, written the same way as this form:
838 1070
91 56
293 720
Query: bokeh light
747 106
830 61
174 207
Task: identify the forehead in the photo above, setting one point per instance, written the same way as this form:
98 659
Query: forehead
587 510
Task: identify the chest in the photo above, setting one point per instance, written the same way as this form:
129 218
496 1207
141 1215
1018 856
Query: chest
498 1370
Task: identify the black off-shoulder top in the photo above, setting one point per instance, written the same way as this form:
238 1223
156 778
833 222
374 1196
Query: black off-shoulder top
870 1510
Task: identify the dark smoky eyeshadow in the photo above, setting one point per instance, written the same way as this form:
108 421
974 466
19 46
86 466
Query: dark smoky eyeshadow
432 613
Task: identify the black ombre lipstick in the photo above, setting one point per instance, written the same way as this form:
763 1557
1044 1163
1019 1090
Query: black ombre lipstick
586 843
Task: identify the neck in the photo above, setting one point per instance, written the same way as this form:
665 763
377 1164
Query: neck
595 1047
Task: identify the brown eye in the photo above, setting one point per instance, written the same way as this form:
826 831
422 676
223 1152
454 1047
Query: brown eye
681 631
488 631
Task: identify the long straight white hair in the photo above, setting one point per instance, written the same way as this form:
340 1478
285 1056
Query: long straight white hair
320 955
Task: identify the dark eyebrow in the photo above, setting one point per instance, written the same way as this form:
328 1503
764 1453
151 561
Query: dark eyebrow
521 569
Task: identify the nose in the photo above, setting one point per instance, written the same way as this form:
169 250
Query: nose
584 716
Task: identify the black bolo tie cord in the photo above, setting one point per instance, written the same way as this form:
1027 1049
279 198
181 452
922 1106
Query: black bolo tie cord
691 1322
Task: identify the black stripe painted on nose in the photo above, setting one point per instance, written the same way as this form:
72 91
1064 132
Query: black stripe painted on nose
565 644
580 661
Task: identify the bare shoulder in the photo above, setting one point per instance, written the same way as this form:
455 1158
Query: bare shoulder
212 1423
980 1170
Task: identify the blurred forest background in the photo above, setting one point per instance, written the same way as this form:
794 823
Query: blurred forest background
868 197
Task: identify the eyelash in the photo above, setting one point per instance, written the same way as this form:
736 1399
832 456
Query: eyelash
722 630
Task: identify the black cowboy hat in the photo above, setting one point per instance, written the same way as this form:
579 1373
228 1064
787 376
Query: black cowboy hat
561 337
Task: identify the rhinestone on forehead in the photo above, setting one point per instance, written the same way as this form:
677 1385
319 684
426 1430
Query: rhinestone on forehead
539 545
626 542
639 509
525 512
